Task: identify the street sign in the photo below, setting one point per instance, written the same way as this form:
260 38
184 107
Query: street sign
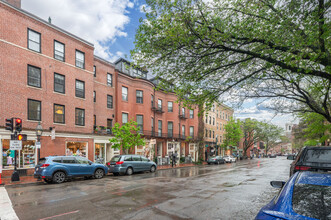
38 145
152 141
15 145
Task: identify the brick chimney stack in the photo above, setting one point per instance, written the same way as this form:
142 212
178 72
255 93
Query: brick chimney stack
15 3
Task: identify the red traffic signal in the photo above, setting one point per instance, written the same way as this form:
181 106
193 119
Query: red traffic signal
22 137
18 125
9 124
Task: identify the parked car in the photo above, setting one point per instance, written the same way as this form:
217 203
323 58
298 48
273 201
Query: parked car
272 155
215 160
59 168
311 159
129 164
229 159
306 195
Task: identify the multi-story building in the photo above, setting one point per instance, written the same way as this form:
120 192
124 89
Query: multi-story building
52 78
167 126
214 129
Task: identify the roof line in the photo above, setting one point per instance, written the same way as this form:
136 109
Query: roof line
106 61
47 23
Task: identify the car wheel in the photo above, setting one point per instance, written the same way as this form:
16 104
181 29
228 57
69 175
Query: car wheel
59 177
116 174
99 173
153 168
129 171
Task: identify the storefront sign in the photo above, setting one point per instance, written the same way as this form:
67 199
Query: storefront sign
38 145
152 141
15 145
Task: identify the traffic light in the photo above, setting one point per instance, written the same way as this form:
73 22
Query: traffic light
9 124
22 137
18 125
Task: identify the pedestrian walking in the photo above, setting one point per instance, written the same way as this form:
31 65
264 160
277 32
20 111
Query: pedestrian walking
175 157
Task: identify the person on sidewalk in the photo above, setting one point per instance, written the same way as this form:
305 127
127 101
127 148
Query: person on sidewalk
172 159
175 158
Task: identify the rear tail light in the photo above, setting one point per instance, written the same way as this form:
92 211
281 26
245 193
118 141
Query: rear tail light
108 164
44 165
302 168
120 162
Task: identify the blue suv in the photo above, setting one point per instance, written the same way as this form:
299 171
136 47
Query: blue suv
59 168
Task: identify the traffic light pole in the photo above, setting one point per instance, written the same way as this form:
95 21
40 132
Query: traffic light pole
15 176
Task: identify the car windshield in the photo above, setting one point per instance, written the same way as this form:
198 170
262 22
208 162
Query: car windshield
115 159
313 201
320 156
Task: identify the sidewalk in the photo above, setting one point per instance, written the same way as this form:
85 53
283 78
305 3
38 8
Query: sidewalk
30 179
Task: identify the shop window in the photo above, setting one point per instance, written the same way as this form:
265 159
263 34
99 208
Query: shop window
34 76
99 153
34 110
59 50
59 83
34 40
26 158
76 149
80 117
59 114
80 59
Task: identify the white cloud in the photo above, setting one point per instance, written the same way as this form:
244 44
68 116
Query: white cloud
97 21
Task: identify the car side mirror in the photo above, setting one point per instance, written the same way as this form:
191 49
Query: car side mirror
277 184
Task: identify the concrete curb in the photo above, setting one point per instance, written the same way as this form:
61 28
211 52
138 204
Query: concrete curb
6 208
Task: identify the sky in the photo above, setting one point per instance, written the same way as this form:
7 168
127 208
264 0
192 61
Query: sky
111 25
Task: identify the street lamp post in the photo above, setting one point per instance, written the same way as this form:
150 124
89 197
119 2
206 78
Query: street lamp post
39 132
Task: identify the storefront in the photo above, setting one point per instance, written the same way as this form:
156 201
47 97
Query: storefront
193 151
26 158
103 151
76 149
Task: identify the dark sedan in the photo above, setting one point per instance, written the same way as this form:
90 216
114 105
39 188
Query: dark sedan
215 160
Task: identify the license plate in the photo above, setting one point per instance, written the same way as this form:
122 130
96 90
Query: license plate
112 165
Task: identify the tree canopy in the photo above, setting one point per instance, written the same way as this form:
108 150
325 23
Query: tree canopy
271 135
269 49
233 133
252 132
127 136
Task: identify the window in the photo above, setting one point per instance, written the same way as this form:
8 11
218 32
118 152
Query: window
34 40
94 120
183 131
136 158
109 123
152 100
159 104
34 110
59 51
170 129
59 83
210 120
159 128
34 76
124 93
94 96
69 160
57 160
125 117
206 133
144 159
109 79
95 71
140 122
192 131
191 113
206 119
213 134
128 158
80 117
152 126
217 125
139 96
209 133
109 101
170 107
59 114
183 112
80 59
80 89
213 121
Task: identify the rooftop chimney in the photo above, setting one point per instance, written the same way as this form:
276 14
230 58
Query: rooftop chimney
49 20
15 3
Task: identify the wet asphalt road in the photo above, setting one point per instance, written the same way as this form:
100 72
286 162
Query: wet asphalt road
229 191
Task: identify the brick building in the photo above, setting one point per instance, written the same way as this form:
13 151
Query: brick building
161 119
214 129
52 77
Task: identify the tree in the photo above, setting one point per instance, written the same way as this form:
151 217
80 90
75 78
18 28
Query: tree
270 134
252 133
269 49
233 133
127 136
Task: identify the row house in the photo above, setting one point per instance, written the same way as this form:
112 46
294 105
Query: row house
167 126
215 120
